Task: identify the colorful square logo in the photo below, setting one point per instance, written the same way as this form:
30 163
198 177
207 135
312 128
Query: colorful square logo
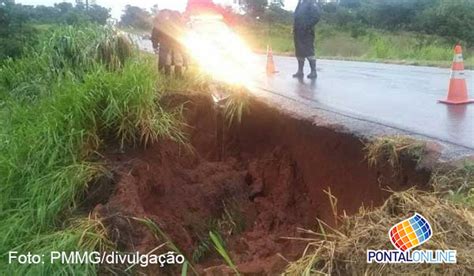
410 233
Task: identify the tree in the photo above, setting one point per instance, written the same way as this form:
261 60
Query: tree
44 13
154 9
391 14
17 29
276 13
277 3
136 17
15 34
255 8
449 19
350 3
98 14
63 7
79 14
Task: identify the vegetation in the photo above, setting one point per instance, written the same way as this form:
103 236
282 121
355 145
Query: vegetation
457 185
13 33
60 102
137 18
390 149
412 31
220 248
454 182
358 44
446 18
67 91
19 24
160 235
418 32
230 223
235 103
62 13
343 250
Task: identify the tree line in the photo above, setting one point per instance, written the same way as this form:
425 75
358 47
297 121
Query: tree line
452 19
447 18
19 23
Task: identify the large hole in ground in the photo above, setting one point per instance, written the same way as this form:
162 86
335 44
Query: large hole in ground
270 176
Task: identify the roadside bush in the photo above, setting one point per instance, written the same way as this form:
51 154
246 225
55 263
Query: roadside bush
452 19
388 14
448 18
338 16
14 33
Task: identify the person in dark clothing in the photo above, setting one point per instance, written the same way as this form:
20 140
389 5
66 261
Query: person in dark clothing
307 15
167 27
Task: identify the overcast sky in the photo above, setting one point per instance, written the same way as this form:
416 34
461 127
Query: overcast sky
118 5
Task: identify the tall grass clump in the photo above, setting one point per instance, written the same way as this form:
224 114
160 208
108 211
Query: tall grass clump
81 87
235 102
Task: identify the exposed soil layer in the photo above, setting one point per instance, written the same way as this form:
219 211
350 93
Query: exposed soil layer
269 176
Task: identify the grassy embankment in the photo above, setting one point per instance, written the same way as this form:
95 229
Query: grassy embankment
79 90
59 102
360 44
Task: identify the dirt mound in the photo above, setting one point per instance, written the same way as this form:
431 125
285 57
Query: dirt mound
270 179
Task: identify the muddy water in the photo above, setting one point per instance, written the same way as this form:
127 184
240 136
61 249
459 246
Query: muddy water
267 177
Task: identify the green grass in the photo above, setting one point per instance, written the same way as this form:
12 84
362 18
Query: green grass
60 103
231 222
160 235
457 185
219 246
359 44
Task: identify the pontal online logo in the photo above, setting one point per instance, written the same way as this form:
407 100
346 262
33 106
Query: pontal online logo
406 235
410 233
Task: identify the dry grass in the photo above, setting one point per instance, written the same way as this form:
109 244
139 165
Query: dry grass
343 251
391 148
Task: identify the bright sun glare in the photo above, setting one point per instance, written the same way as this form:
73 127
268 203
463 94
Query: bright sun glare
220 52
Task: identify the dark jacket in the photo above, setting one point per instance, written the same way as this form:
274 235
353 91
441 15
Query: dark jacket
156 37
307 15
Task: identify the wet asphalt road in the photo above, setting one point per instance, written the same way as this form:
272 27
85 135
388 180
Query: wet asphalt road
395 96
372 99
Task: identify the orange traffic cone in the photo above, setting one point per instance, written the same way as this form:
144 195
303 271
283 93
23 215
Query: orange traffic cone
270 63
457 93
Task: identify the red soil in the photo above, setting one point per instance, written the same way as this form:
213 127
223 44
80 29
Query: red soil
271 178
